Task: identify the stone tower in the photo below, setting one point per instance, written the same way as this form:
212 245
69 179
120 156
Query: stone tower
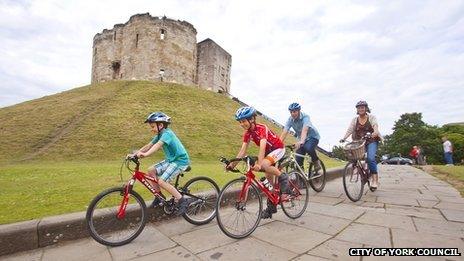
159 49
214 65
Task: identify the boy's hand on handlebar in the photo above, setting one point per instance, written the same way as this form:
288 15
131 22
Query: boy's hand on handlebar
140 154
298 145
256 167
230 166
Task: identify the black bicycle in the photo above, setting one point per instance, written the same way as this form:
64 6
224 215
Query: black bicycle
356 173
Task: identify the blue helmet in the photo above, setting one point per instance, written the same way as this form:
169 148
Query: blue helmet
245 113
158 117
294 106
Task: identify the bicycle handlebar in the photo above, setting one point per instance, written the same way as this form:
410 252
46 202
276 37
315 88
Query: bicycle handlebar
291 147
250 160
368 135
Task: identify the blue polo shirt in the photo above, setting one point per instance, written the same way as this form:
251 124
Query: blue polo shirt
173 149
298 125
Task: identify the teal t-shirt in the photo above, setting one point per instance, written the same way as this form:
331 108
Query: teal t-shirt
173 149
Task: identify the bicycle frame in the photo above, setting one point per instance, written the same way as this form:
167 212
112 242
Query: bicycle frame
364 174
274 197
143 178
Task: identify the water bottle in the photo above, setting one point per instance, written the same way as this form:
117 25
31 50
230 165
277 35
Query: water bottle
266 183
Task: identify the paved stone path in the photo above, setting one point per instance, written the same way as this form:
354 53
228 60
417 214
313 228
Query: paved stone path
410 209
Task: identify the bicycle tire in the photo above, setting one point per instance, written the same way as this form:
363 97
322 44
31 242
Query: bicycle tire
226 197
93 218
207 200
348 177
313 182
299 187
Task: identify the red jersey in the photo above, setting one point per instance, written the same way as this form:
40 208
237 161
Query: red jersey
260 132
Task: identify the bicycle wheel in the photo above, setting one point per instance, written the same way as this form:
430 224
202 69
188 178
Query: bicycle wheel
204 193
295 204
104 225
317 178
352 181
238 217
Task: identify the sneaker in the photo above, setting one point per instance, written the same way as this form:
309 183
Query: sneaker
157 201
283 181
271 209
183 205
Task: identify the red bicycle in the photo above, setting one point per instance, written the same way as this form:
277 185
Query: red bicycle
239 207
118 215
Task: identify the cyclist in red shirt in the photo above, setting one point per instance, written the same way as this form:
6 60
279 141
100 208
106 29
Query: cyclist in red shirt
271 150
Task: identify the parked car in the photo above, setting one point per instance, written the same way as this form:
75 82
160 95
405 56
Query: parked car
397 161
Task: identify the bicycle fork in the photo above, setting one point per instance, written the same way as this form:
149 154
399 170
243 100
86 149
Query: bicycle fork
125 199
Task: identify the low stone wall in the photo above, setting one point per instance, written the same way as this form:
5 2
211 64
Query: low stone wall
34 234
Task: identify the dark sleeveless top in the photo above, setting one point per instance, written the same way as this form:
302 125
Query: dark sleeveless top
361 130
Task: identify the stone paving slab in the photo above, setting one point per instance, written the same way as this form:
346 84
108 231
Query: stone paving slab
172 254
307 257
331 225
149 241
324 224
203 239
325 200
341 210
427 203
403 201
279 234
248 249
446 228
387 220
450 205
453 215
414 212
335 250
366 234
180 226
403 238
86 249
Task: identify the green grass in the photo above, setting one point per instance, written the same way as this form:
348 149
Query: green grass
36 190
59 151
103 121
454 175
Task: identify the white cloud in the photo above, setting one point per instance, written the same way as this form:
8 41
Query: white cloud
400 56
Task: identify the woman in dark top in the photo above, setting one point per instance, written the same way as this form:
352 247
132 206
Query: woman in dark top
360 125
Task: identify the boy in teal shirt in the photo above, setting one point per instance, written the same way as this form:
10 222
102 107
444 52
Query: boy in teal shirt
177 159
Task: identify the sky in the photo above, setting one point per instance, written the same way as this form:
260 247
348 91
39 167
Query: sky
399 56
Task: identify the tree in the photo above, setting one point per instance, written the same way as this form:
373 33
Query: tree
411 130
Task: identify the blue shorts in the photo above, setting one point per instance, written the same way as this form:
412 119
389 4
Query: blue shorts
167 171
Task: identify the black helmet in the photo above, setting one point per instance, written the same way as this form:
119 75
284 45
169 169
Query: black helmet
363 103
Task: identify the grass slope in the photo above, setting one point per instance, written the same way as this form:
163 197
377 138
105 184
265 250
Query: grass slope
59 151
103 121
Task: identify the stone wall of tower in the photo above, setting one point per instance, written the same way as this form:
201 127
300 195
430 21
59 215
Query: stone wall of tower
146 48
214 66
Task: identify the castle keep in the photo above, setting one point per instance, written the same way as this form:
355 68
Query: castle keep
159 49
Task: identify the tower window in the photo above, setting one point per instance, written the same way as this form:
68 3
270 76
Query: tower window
114 36
162 34
136 40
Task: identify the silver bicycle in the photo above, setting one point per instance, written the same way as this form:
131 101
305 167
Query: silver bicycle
315 178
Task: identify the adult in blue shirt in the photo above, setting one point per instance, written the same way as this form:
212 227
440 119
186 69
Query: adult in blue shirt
307 135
